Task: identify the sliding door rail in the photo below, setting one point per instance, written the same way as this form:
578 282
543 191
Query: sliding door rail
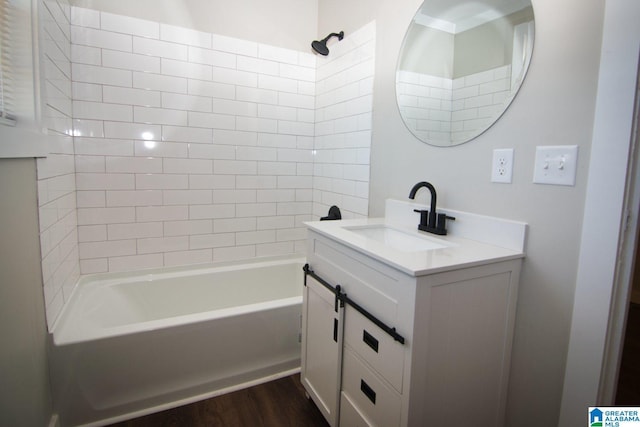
342 299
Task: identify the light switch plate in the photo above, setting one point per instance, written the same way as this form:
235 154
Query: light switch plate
502 165
556 165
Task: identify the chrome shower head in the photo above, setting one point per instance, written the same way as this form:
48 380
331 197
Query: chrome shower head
321 45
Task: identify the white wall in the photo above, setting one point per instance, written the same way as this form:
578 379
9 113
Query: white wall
290 24
25 399
603 273
554 107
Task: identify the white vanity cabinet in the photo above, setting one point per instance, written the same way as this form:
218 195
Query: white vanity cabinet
435 349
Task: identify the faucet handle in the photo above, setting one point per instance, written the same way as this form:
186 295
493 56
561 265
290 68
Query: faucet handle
442 222
424 216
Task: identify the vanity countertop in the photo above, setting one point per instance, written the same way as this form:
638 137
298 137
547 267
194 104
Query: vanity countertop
457 252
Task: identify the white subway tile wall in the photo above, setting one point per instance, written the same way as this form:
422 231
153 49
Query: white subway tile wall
56 173
450 111
175 147
344 104
477 99
170 160
192 147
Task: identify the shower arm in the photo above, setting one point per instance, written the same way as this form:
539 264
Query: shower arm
339 35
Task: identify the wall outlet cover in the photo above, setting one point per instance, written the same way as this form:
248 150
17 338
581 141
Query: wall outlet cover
502 165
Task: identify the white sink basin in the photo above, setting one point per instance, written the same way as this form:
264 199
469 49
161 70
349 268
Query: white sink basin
397 239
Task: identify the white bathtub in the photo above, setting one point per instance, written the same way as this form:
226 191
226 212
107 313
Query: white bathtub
129 345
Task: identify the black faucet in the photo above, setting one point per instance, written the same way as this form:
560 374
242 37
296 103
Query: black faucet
429 220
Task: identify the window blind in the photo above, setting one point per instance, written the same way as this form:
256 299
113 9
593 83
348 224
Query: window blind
22 133
6 78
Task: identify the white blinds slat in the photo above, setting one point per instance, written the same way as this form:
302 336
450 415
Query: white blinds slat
6 77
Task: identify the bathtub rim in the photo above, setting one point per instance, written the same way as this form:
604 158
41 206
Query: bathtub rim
108 279
193 269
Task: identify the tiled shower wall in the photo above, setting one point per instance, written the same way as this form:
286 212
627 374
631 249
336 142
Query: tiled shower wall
425 103
476 100
344 103
56 173
443 109
191 147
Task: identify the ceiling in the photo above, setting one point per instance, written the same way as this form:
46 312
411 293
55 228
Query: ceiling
455 16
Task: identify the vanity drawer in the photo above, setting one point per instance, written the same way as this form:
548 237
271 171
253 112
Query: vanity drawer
349 414
364 280
374 399
374 346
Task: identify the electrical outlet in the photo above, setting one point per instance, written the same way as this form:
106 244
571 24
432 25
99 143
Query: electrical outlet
502 165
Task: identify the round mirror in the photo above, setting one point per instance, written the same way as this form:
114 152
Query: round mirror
461 64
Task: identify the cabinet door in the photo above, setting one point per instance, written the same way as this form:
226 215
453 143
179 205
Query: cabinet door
321 348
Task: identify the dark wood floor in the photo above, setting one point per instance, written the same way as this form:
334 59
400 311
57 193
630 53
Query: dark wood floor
275 404
628 393
283 403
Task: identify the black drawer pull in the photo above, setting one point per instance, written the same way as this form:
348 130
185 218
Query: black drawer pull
370 340
335 330
368 391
